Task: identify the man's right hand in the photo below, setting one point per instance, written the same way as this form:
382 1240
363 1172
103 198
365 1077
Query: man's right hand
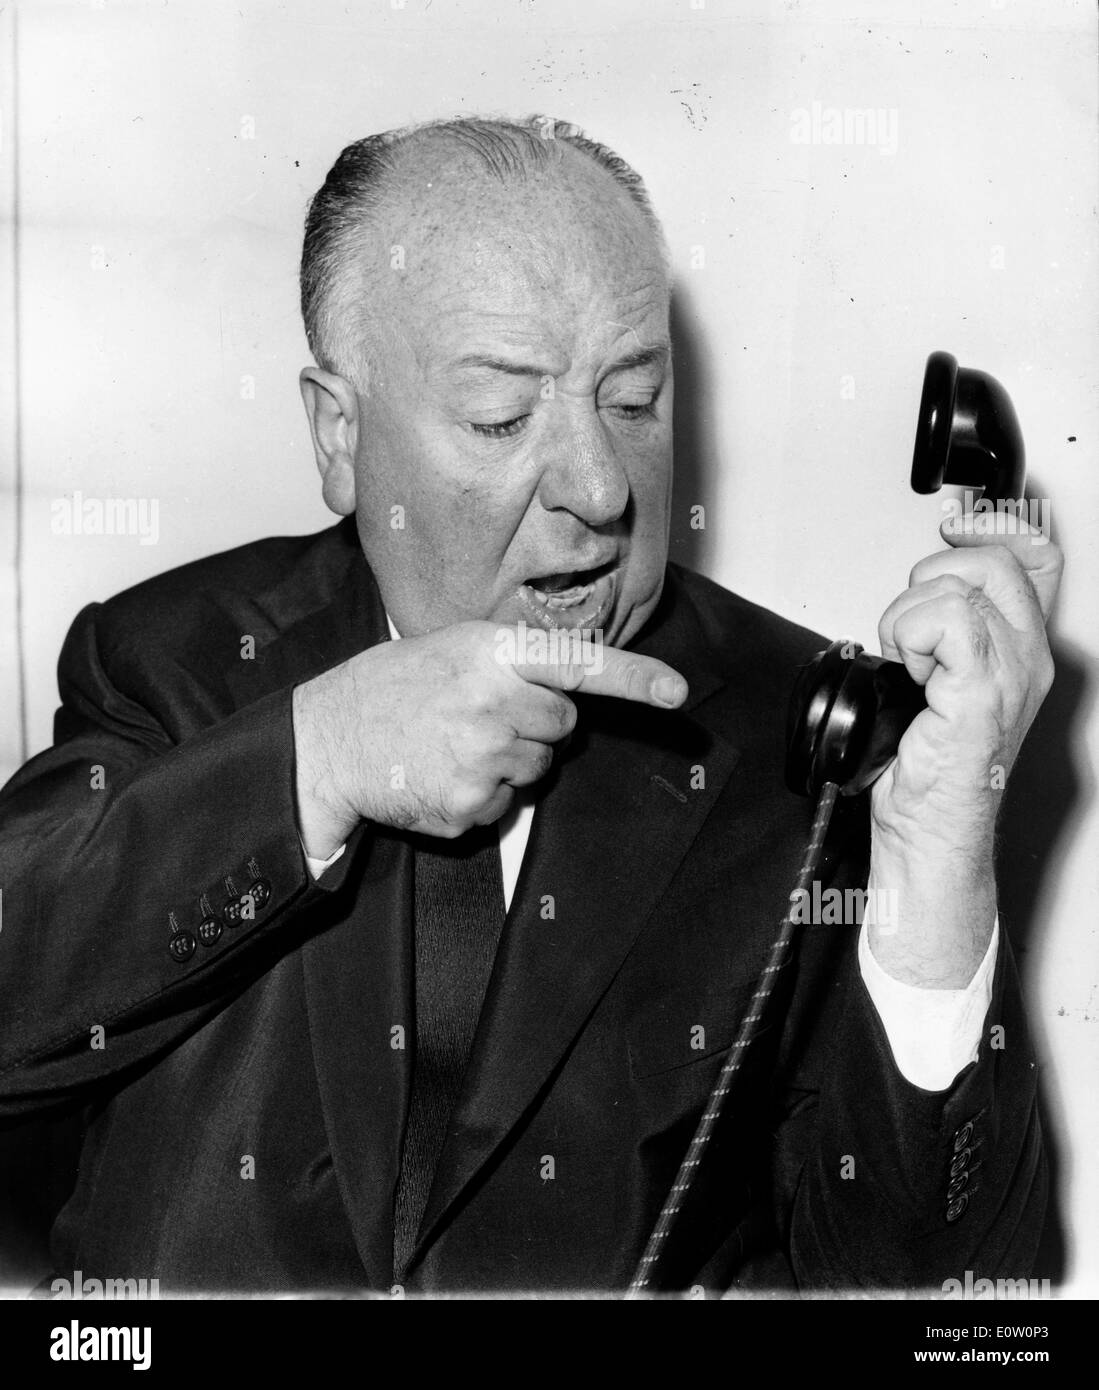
434 733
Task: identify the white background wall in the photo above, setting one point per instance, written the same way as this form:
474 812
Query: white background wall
156 162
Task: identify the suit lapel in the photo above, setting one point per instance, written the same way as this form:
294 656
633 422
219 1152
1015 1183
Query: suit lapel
609 834
312 620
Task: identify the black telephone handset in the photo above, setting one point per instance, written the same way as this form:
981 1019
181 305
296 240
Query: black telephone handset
849 710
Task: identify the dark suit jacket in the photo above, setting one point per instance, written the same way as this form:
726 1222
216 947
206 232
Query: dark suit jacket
668 845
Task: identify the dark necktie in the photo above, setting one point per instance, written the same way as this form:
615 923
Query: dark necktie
458 916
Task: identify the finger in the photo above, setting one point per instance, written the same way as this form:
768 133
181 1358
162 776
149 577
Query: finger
535 712
626 675
527 763
1040 559
920 592
995 571
498 804
948 631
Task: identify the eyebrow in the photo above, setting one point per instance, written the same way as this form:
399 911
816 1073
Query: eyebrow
641 357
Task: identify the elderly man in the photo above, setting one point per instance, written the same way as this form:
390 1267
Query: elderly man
382 951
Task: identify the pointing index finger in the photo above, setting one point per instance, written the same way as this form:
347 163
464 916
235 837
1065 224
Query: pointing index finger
595 669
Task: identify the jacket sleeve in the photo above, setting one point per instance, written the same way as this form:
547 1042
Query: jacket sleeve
885 1185
144 880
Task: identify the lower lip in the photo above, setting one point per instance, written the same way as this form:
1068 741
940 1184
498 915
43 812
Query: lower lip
590 608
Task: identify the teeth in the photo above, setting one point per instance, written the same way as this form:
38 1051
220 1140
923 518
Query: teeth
559 598
567 608
574 596
548 594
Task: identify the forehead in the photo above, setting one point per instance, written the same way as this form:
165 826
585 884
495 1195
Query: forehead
551 333
561 259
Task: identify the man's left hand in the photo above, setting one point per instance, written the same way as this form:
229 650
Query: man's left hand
970 629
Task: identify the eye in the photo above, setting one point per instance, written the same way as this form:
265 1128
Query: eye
500 430
636 412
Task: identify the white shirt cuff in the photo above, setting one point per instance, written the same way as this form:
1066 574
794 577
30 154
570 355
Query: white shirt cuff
934 1033
317 866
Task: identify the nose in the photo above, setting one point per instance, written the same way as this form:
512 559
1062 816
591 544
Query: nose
582 474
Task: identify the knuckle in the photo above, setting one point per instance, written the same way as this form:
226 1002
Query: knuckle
495 806
478 695
464 743
918 572
1004 557
495 739
631 679
958 606
472 632
570 675
467 798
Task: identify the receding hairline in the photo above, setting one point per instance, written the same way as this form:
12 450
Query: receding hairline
427 184
533 154
378 174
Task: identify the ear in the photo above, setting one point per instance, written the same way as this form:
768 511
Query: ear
332 408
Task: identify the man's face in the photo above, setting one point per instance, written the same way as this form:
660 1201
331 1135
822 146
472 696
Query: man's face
514 459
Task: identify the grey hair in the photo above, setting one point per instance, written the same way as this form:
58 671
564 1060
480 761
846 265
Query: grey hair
330 299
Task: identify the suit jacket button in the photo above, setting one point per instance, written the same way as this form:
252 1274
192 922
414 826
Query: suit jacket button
231 912
956 1186
182 946
261 893
961 1162
957 1206
209 930
963 1136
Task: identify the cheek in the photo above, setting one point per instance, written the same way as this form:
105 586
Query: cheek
650 475
460 510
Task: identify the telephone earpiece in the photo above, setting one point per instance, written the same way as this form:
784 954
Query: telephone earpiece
967 434
849 710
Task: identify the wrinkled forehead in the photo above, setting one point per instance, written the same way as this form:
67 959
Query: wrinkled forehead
557 256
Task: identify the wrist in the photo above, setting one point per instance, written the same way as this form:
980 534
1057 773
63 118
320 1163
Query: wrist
325 817
945 898
955 825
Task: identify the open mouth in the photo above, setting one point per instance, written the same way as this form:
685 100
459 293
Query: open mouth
572 597
567 589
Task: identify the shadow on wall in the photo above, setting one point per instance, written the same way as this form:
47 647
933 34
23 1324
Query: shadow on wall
1043 803
37 1161
696 462
1042 806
